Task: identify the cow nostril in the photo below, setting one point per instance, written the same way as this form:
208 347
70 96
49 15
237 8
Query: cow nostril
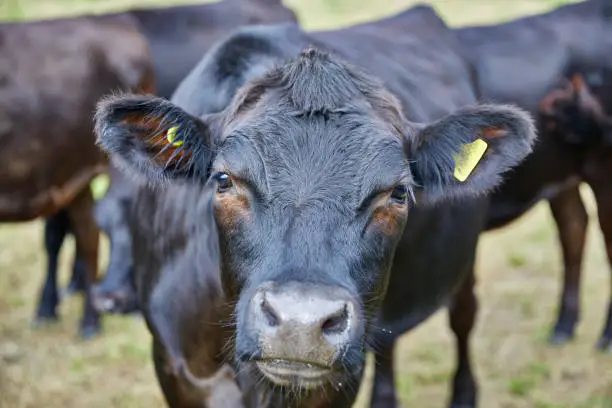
269 314
336 323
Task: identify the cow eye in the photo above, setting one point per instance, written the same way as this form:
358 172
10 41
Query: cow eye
224 182
399 193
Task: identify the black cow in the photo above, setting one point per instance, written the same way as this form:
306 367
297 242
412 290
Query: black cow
520 62
313 176
577 117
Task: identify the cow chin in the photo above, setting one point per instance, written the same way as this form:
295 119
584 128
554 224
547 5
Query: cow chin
301 334
295 374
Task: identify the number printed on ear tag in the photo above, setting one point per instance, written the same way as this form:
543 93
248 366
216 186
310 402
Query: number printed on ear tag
466 161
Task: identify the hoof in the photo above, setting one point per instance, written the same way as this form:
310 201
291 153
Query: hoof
42 320
466 403
69 291
89 331
558 338
385 402
72 289
604 345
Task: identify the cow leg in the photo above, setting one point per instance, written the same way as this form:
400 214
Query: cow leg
383 389
77 281
56 228
166 380
86 236
462 313
603 197
571 219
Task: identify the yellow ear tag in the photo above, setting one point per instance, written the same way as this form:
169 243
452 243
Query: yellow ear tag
99 185
171 136
469 158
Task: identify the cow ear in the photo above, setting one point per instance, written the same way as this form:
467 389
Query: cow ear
154 137
465 153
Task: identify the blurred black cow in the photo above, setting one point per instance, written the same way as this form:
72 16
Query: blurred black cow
521 62
52 73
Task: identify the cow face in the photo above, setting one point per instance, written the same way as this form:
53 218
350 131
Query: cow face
314 169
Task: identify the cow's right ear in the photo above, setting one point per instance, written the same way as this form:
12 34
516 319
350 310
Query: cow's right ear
154 137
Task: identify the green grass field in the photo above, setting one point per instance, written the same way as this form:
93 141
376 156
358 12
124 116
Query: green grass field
518 271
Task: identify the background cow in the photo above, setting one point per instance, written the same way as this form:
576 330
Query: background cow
48 152
333 310
578 119
520 62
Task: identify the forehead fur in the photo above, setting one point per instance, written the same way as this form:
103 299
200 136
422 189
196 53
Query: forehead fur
314 130
316 82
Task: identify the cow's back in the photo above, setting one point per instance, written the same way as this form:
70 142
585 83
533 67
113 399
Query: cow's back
521 60
421 60
52 73
180 35
417 57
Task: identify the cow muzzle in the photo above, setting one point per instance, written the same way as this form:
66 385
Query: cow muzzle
301 331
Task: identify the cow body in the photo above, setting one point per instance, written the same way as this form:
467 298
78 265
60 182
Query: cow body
51 75
521 62
435 250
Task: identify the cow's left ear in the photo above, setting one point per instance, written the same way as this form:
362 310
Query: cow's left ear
152 136
465 153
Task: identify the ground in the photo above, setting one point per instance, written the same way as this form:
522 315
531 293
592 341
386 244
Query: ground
518 270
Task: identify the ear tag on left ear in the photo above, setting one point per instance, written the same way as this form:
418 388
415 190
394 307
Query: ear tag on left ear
171 137
466 162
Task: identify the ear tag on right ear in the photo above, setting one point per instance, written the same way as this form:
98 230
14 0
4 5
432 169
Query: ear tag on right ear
171 137
466 161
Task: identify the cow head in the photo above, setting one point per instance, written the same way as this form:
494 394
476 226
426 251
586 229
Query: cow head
315 170
574 115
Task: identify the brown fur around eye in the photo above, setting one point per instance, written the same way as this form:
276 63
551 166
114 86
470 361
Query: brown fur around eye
387 216
230 209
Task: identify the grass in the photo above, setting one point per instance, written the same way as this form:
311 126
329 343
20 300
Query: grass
518 270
